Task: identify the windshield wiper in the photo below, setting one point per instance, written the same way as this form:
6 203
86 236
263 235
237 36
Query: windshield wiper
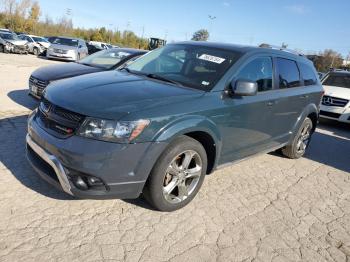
155 76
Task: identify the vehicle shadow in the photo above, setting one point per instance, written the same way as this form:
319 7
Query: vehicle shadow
13 157
22 98
330 145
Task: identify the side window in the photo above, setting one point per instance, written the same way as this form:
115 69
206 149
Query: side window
288 73
260 71
308 75
29 39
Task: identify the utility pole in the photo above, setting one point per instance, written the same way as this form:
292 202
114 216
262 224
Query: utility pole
211 20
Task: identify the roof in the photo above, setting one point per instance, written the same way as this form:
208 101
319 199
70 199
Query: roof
130 50
339 72
226 46
245 49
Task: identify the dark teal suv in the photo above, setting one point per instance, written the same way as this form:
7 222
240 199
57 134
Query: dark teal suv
174 115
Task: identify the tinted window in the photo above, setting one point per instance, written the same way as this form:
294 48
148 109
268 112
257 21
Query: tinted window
288 73
260 71
308 75
341 80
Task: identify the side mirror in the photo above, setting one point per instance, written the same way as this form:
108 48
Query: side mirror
80 46
243 87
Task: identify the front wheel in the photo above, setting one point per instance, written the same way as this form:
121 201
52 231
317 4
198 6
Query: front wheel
36 51
301 141
177 176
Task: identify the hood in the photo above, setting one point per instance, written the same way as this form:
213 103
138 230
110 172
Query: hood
339 92
64 47
60 71
113 94
45 44
17 42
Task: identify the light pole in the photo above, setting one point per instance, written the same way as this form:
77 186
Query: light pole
211 20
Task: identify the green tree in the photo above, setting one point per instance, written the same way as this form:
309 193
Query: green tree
201 35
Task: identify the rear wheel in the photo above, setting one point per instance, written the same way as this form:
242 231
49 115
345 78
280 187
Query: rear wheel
2 49
300 142
177 176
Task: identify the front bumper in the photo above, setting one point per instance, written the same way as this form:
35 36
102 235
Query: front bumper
123 168
65 57
341 114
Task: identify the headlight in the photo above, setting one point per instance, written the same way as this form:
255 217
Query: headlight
112 131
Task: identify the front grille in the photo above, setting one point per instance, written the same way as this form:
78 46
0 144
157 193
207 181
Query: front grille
42 165
60 51
329 114
60 121
334 101
40 84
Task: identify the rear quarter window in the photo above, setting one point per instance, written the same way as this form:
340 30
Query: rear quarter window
288 73
308 75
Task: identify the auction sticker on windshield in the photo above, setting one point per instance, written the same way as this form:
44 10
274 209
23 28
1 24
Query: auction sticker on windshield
212 58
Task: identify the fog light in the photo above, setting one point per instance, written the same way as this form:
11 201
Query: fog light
80 183
94 181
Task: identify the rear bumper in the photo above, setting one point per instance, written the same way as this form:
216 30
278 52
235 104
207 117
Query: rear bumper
124 168
341 114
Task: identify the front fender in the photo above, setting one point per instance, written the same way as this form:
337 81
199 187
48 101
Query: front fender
188 124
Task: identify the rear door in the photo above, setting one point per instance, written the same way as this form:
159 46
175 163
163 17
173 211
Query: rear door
290 99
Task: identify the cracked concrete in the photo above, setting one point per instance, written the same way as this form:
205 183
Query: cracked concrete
268 208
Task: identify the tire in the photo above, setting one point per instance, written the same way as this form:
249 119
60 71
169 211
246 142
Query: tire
78 58
35 51
171 185
300 142
2 49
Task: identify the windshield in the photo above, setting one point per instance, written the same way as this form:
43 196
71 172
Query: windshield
190 65
39 39
66 41
9 36
340 80
105 58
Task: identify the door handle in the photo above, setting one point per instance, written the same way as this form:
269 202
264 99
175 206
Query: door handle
304 96
271 103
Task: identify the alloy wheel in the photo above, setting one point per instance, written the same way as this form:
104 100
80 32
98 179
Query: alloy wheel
304 138
182 176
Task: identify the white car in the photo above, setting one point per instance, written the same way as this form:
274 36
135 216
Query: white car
336 100
36 44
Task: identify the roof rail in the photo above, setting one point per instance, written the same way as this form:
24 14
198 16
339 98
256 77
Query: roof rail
263 45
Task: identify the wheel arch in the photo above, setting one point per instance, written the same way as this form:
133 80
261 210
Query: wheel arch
199 128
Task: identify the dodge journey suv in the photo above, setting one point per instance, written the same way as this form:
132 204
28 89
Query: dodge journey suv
174 115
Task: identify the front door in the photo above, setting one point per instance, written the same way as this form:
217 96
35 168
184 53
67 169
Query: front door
245 122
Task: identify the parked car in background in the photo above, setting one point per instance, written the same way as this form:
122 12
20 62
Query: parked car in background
5 30
36 44
101 45
92 48
336 100
13 44
321 75
105 60
50 38
171 117
67 48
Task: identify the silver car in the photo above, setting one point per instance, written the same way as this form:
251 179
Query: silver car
67 48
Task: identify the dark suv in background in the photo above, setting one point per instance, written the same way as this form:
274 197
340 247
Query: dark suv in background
171 117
